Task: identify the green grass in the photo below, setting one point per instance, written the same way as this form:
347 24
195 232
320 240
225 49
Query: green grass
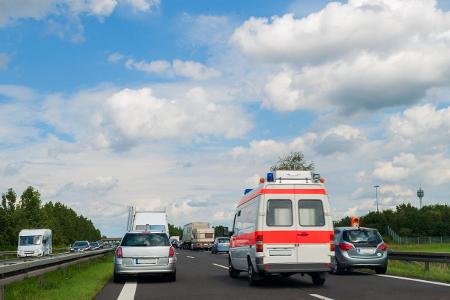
82 284
437 272
420 247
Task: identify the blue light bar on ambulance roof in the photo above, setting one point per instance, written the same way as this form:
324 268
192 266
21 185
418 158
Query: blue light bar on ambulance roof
247 191
269 177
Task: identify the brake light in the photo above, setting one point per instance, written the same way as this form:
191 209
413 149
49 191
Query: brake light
382 247
119 252
171 251
332 245
345 246
259 243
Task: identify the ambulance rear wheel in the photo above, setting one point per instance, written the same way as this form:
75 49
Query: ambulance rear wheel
318 279
253 277
232 271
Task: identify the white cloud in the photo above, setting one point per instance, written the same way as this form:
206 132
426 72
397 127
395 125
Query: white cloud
102 7
141 5
387 171
188 69
115 57
359 56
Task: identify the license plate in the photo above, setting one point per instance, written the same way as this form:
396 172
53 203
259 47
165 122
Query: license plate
366 251
148 261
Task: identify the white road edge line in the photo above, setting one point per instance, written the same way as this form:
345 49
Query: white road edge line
128 291
220 266
414 279
320 297
189 256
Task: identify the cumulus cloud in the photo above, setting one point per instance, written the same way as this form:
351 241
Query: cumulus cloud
359 56
188 69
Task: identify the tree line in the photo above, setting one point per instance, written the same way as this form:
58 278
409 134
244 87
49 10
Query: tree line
27 212
408 220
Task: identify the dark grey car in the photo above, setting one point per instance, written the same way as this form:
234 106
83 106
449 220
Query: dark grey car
358 247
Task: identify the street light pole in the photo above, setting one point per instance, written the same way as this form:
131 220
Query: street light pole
376 194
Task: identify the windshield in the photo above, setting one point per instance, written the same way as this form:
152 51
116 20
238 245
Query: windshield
223 240
362 237
145 240
28 240
80 244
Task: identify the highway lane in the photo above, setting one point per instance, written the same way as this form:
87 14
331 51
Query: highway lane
201 275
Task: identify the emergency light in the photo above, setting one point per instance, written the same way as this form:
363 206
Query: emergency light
269 177
246 191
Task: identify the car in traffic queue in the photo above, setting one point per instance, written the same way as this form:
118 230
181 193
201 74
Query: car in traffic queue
145 253
283 227
80 246
359 247
95 246
221 244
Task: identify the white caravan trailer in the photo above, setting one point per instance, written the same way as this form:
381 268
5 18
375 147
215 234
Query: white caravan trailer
34 242
152 221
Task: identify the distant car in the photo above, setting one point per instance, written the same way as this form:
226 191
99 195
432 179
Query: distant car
221 244
80 246
95 246
358 247
142 253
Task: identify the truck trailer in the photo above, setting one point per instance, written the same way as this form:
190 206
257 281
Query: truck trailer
152 221
197 235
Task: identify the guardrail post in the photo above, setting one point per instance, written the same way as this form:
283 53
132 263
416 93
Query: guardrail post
2 292
42 280
427 266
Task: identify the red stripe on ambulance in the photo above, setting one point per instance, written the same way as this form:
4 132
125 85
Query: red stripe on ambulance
283 192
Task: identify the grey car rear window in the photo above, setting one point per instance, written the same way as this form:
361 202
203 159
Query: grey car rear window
362 236
145 240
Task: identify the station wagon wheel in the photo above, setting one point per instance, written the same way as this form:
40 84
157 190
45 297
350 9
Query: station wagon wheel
336 267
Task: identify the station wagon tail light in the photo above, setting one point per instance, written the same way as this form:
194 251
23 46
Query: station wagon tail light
259 243
345 246
171 251
119 252
382 247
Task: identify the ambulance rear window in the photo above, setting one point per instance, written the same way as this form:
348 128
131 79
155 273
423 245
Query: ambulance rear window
310 213
279 213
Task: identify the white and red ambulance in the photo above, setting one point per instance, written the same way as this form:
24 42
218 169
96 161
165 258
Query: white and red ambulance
284 226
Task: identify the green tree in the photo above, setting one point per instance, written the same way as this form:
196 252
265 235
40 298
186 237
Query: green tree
220 231
293 161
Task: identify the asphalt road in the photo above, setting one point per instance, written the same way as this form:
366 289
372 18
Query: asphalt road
201 275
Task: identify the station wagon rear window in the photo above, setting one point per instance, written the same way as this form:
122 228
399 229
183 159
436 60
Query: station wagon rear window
279 213
310 213
145 240
362 237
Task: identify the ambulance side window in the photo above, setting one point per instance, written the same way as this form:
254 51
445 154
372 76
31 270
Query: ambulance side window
310 213
279 212
237 223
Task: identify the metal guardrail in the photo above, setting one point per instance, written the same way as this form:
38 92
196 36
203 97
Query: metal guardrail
5 253
426 257
22 270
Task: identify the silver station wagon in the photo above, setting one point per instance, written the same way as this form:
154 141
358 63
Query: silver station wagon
144 253
358 247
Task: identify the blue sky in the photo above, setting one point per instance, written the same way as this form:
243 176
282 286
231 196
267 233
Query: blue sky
182 104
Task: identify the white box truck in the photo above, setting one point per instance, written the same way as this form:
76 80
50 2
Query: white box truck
34 242
197 235
153 221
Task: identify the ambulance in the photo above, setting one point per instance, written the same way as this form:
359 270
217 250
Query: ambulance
283 227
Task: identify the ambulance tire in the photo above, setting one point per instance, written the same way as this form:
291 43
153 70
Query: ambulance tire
318 279
253 277
232 271
172 276
118 278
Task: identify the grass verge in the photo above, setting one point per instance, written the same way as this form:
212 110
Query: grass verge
83 284
437 272
421 247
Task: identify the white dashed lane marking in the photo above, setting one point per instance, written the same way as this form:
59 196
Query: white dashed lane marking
320 297
220 266
128 291
190 256
413 279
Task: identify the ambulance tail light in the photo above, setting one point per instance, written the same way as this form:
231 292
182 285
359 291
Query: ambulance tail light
345 246
259 243
171 251
382 247
119 252
332 245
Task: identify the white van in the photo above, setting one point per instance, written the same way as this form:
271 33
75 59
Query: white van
283 227
34 242
152 221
